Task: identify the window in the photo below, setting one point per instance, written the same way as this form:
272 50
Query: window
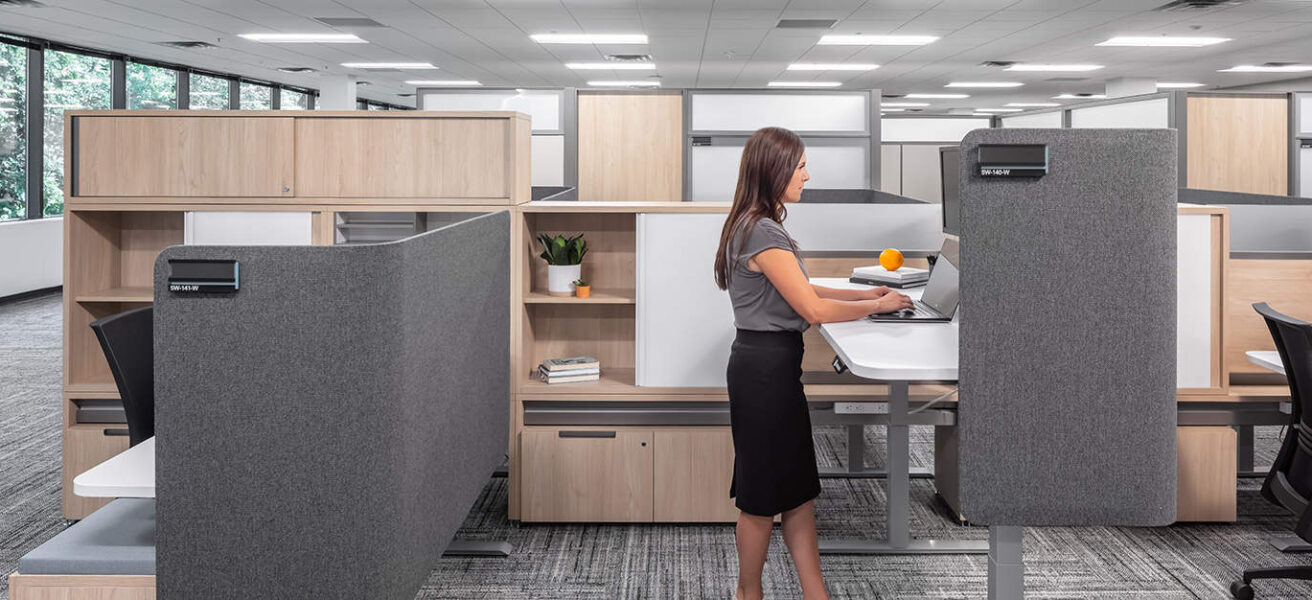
377 107
153 88
256 97
361 105
209 92
294 100
73 81
13 132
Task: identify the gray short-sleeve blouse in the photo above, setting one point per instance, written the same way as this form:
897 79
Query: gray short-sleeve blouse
757 305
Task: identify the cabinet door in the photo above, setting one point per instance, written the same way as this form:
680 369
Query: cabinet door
586 475
1207 463
693 470
183 157
85 447
402 158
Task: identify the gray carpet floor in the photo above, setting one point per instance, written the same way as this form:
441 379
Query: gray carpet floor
586 562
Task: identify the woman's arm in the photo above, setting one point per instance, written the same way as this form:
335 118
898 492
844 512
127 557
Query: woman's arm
847 294
780 267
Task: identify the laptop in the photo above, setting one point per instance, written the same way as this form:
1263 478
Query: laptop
938 302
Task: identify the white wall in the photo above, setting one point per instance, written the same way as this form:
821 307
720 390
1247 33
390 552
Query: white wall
1145 114
35 251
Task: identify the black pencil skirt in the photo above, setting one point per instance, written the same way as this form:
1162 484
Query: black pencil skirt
774 464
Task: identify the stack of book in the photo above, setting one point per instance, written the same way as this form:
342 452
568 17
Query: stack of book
572 369
905 277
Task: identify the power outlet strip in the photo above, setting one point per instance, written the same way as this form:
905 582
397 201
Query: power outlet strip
857 408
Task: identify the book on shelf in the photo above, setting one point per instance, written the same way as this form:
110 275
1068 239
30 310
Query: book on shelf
545 374
570 363
900 285
879 273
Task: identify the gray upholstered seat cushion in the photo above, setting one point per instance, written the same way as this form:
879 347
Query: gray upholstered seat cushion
118 539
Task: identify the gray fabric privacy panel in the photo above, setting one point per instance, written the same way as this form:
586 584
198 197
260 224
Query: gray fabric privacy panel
1068 316
323 432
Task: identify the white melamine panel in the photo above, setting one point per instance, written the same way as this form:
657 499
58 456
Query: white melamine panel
714 170
890 168
36 251
1144 114
224 228
684 322
1193 351
1305 172
1305 112
542 106
799 112
929 130
1050 120
548 160
921 174
866 227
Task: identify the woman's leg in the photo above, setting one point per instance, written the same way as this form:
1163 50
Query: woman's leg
799 536
753 543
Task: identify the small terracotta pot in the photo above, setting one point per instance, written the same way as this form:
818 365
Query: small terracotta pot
582 291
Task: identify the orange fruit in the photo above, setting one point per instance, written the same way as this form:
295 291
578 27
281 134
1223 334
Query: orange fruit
891 259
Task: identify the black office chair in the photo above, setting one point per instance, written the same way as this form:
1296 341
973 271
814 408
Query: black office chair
129 343
1289 483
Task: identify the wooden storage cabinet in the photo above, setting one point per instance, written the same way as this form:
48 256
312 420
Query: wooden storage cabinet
693 470
1207 461
586 474
86 446
186 155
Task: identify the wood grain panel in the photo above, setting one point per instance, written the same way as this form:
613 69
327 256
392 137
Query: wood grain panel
1285 284
1239 144
142 236
1207 461
81 587
184 156
586 479
693 469
603 331
86 447
630 147
451 158
612 242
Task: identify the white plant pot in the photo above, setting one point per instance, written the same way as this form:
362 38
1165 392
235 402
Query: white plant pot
561 278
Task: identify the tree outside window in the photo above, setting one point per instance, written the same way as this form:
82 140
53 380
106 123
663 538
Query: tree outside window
256 97
294 100
13 132
209 92
72 81
151 88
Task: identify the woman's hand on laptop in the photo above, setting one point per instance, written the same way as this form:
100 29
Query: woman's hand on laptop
891 301
876 293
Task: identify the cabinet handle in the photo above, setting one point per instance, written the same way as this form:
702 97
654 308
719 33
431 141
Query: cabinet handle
116 432
586 434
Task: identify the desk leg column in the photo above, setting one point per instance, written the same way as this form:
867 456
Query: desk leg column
1006 563
899 466
856 448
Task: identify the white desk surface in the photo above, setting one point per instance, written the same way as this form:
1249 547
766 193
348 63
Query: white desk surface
1267 359
129 474
893 351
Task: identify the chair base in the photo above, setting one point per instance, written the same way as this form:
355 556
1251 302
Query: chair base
1241 590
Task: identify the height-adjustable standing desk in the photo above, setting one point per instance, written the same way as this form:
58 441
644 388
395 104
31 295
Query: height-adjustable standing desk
898 354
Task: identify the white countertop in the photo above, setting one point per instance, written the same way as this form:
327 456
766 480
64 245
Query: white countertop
129 474
893 351
1267 359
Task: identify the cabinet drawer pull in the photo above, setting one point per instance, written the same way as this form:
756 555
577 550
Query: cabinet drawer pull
586 434
116 432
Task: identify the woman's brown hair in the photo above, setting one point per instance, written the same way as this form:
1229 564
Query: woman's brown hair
769 159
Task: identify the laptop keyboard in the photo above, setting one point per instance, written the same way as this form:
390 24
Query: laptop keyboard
917 310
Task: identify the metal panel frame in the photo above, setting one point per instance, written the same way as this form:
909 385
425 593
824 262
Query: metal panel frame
36 134
1298 132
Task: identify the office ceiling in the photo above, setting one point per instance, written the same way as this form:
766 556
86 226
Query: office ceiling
698 43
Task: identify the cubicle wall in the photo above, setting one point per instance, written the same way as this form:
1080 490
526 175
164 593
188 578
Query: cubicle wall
323 430
910 148
1068 348
554 145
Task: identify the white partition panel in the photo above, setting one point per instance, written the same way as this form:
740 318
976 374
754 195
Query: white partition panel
1040 120
1194 296
713 170
1305 112
929 130
866 227
542 106
922 177
1144 114
1305 171
236 228
684 322
890 168
799 112
547 154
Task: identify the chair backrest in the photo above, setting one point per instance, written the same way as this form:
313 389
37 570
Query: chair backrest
129 343
1292 471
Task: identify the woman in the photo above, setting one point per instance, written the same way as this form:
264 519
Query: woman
773 303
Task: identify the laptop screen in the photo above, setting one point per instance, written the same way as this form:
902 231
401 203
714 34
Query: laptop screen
941 292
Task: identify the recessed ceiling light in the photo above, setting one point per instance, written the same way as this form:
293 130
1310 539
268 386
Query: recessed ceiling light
1080 97
1267 69
1178 86
304 38
938 96
589 38
388 65
600 66
442 82
980 114
1058 68
804 84
1034 104
984 84
882 109
296 69
1163 41
876 40
903 104
617 83
997 110
832 66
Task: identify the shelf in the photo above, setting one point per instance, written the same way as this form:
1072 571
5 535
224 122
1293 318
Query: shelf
599 296
96 390
120 294
613 381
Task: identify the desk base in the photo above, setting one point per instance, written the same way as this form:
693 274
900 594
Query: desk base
870 547
843 473
477 548
1291 544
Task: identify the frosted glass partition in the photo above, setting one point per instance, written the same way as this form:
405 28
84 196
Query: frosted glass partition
1305 172
238 228
800 112
1305 112
713 170
1144 114
542 106
929 130
547 159
1035 121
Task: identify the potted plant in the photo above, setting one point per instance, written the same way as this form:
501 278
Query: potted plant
564 258
581 288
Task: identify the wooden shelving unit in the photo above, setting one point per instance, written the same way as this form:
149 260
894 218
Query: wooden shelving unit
137 294
599 296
